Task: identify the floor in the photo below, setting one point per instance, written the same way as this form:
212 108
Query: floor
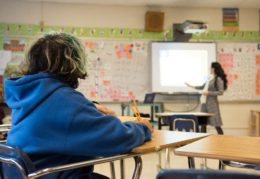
150 165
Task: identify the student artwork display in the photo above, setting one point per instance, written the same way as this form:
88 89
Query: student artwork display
118 62
241 63
117 70
17 46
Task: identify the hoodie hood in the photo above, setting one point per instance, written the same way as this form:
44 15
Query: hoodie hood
25 93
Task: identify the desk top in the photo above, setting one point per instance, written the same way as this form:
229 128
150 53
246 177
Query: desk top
163 139
130 118
202 114
236 148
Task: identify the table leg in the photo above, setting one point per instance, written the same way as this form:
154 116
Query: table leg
159 167
152 112
191 162
203 128
138 167
112 170
123 106
122 169
159 123
167 158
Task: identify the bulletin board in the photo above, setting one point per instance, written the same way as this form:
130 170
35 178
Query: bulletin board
118 70
241 63
118 62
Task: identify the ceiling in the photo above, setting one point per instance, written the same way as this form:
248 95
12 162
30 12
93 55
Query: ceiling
166 3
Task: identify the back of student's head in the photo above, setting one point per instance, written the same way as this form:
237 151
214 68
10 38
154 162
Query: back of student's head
58 53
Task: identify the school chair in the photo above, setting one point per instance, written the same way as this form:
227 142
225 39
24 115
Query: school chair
15 164
203 174
185 123
223 163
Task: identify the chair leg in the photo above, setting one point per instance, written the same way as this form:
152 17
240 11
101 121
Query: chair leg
112 170
221 166
204 163
138 167
191 163
122 169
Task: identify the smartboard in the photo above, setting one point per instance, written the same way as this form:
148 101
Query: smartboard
175 63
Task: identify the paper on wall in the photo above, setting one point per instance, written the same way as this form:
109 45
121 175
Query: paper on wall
5 57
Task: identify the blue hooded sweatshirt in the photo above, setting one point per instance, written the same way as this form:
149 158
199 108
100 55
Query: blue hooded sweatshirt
55 125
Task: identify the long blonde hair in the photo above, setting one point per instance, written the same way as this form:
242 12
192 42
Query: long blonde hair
58 53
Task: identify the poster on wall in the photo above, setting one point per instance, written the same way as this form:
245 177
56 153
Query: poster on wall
230 19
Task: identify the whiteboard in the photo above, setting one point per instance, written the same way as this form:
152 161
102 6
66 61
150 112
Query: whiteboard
117 70
241 63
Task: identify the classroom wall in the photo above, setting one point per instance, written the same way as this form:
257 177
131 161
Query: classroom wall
236 116
114 16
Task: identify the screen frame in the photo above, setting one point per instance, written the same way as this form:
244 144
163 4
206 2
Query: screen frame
155 52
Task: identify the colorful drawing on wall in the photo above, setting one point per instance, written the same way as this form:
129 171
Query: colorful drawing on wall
230 19
226 61
14 45
124 50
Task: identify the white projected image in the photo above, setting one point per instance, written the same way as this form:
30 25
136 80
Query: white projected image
180 66
177 63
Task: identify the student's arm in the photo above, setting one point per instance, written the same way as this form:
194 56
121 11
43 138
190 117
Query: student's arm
104 109
220 90
93 134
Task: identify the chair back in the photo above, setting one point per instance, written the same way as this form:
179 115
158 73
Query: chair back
204 174
14 163
186 123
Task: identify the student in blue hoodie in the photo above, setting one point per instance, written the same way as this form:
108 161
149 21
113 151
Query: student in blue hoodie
52 122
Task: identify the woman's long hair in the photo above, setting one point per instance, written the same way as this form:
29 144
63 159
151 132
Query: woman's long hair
219 72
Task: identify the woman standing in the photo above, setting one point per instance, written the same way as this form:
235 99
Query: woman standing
215 86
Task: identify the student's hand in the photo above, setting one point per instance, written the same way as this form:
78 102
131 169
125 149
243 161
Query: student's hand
104 109
147 123
205 93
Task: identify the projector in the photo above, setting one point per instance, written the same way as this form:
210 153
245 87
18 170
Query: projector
183 32
192 27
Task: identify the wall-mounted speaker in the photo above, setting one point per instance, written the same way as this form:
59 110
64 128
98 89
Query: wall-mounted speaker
154 21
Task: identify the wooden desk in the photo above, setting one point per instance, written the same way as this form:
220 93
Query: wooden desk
162 139
255 117
236 148
202 118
